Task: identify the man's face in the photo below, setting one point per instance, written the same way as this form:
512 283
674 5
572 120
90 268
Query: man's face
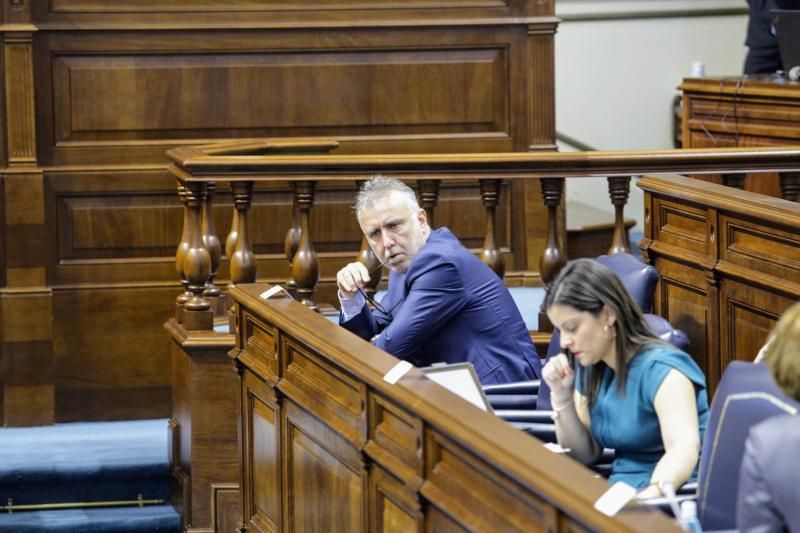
394 232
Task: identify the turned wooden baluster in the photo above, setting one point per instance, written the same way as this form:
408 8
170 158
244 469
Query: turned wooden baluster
210 239
619 188
368 258
428 194
490 254
305 267
292 242
244 268
181 300
734 180
553 256
197 314
233 235
790 186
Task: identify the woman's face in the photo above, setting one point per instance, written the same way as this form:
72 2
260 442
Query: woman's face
584 334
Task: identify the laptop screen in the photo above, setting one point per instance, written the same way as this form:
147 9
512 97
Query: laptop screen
461 379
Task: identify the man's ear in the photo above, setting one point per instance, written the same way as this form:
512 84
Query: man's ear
422 217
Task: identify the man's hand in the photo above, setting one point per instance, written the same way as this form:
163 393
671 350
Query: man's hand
351 278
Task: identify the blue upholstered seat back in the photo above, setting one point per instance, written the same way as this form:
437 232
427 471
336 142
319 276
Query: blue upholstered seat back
745 396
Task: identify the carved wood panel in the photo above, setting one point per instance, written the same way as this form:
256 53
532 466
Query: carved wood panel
325 476
262 459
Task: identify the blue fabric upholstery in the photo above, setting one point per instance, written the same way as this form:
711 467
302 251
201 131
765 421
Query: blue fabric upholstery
746 395
639 278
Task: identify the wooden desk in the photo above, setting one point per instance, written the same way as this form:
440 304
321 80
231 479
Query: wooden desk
327 444
759 110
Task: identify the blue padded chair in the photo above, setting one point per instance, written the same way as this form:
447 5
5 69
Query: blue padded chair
746 395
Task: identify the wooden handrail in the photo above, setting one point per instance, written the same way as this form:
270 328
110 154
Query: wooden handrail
506 165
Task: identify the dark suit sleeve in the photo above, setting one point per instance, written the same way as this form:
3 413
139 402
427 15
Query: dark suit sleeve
436 293
755 510
364 324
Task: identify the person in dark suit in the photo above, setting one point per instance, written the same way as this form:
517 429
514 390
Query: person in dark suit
762 46
442 304
769 478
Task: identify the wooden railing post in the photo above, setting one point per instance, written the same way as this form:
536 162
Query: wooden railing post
428 195
305 267
244 268
490 253
292 241
553 256
619 188
210 239
183 246
197 314
790 186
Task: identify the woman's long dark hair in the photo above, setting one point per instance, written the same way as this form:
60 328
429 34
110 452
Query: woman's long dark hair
587 285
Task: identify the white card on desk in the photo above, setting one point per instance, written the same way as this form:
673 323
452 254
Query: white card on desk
615 498
398 371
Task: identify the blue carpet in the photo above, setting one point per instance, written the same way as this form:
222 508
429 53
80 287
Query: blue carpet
86 462
104 520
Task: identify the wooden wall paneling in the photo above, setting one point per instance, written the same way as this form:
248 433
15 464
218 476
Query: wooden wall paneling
114 226
103 92
255 12
97 376
393 506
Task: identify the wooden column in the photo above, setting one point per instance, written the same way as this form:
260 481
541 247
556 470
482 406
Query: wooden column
305 268
619 188
197 313
27 391
490 254
790 186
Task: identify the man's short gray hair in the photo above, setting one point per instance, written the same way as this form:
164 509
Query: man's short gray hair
380 186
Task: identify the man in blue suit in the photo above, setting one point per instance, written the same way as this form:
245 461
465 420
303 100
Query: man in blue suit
443 304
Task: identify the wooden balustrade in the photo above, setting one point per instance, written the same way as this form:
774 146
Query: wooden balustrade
195 168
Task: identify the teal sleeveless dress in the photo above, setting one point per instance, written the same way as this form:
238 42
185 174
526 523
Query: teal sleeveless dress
628 424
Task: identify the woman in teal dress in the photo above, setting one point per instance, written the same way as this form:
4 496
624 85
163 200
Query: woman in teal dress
630 391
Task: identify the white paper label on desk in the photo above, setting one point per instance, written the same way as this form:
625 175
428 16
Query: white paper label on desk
555 448
615 498
272 291
398 371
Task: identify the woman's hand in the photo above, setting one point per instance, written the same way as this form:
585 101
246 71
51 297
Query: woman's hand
560 377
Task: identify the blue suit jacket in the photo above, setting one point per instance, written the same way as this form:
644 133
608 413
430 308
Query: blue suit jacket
769 479
450 307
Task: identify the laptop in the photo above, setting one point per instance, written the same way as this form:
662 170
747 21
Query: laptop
787 27
461 379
